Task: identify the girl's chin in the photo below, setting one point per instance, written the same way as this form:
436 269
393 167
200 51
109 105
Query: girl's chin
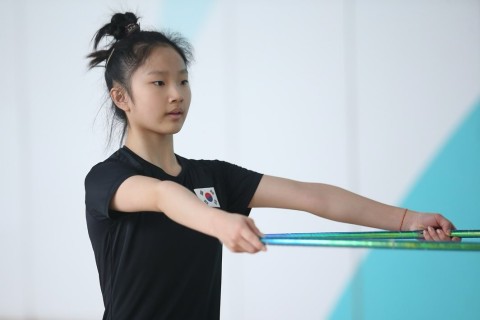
171 131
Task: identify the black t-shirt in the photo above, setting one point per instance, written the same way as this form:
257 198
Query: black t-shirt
151 267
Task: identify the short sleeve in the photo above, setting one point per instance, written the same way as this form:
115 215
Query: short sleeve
102 182
240 185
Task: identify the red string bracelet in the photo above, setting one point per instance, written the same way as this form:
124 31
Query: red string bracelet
403 218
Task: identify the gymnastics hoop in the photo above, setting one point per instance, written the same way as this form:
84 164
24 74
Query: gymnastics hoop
374 240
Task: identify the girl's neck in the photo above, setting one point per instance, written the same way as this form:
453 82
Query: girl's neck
157 150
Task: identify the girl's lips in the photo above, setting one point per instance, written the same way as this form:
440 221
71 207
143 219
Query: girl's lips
175 111
175 115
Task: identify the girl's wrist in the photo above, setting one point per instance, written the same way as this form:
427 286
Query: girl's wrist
215 221
408 220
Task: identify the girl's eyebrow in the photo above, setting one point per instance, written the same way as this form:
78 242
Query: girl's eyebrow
183 71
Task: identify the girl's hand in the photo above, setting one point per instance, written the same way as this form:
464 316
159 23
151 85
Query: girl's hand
435 226
238 233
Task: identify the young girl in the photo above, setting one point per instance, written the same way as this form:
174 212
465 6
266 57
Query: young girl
157 221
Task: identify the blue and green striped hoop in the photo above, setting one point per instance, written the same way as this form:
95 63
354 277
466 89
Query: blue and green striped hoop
374 240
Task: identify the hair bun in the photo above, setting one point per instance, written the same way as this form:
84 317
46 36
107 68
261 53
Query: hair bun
123 24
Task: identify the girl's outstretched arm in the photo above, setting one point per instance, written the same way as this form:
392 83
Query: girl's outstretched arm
140 193
337 204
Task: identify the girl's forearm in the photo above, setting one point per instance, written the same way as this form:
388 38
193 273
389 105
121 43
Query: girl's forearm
341 205
183 207
235 231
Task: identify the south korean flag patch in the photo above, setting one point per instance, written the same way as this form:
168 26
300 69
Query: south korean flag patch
208 195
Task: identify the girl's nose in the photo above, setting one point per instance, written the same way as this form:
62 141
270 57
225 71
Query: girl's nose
175 95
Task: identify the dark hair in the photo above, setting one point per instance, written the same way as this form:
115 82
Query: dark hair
127 51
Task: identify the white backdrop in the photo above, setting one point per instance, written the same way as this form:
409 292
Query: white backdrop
358 94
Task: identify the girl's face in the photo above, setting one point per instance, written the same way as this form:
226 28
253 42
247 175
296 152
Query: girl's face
160 94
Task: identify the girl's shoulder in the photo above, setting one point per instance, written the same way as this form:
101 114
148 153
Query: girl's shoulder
117 163
218 167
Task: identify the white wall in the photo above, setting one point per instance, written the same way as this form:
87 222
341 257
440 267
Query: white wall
355 93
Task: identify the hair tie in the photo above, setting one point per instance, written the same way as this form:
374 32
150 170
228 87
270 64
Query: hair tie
132 27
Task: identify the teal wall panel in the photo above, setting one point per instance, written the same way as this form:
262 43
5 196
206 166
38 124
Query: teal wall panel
420 284
185 16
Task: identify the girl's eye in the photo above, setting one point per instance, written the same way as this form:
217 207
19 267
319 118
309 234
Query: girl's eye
185 82
159 83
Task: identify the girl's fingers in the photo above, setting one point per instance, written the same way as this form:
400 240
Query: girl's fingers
252 225
426 235
433 234
246 246
446 225
253 238
443 235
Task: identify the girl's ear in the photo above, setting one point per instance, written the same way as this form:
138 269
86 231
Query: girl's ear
120 98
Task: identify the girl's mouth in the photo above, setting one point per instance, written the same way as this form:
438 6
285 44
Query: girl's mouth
175 114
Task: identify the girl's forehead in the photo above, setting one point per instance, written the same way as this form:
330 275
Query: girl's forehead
165 58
